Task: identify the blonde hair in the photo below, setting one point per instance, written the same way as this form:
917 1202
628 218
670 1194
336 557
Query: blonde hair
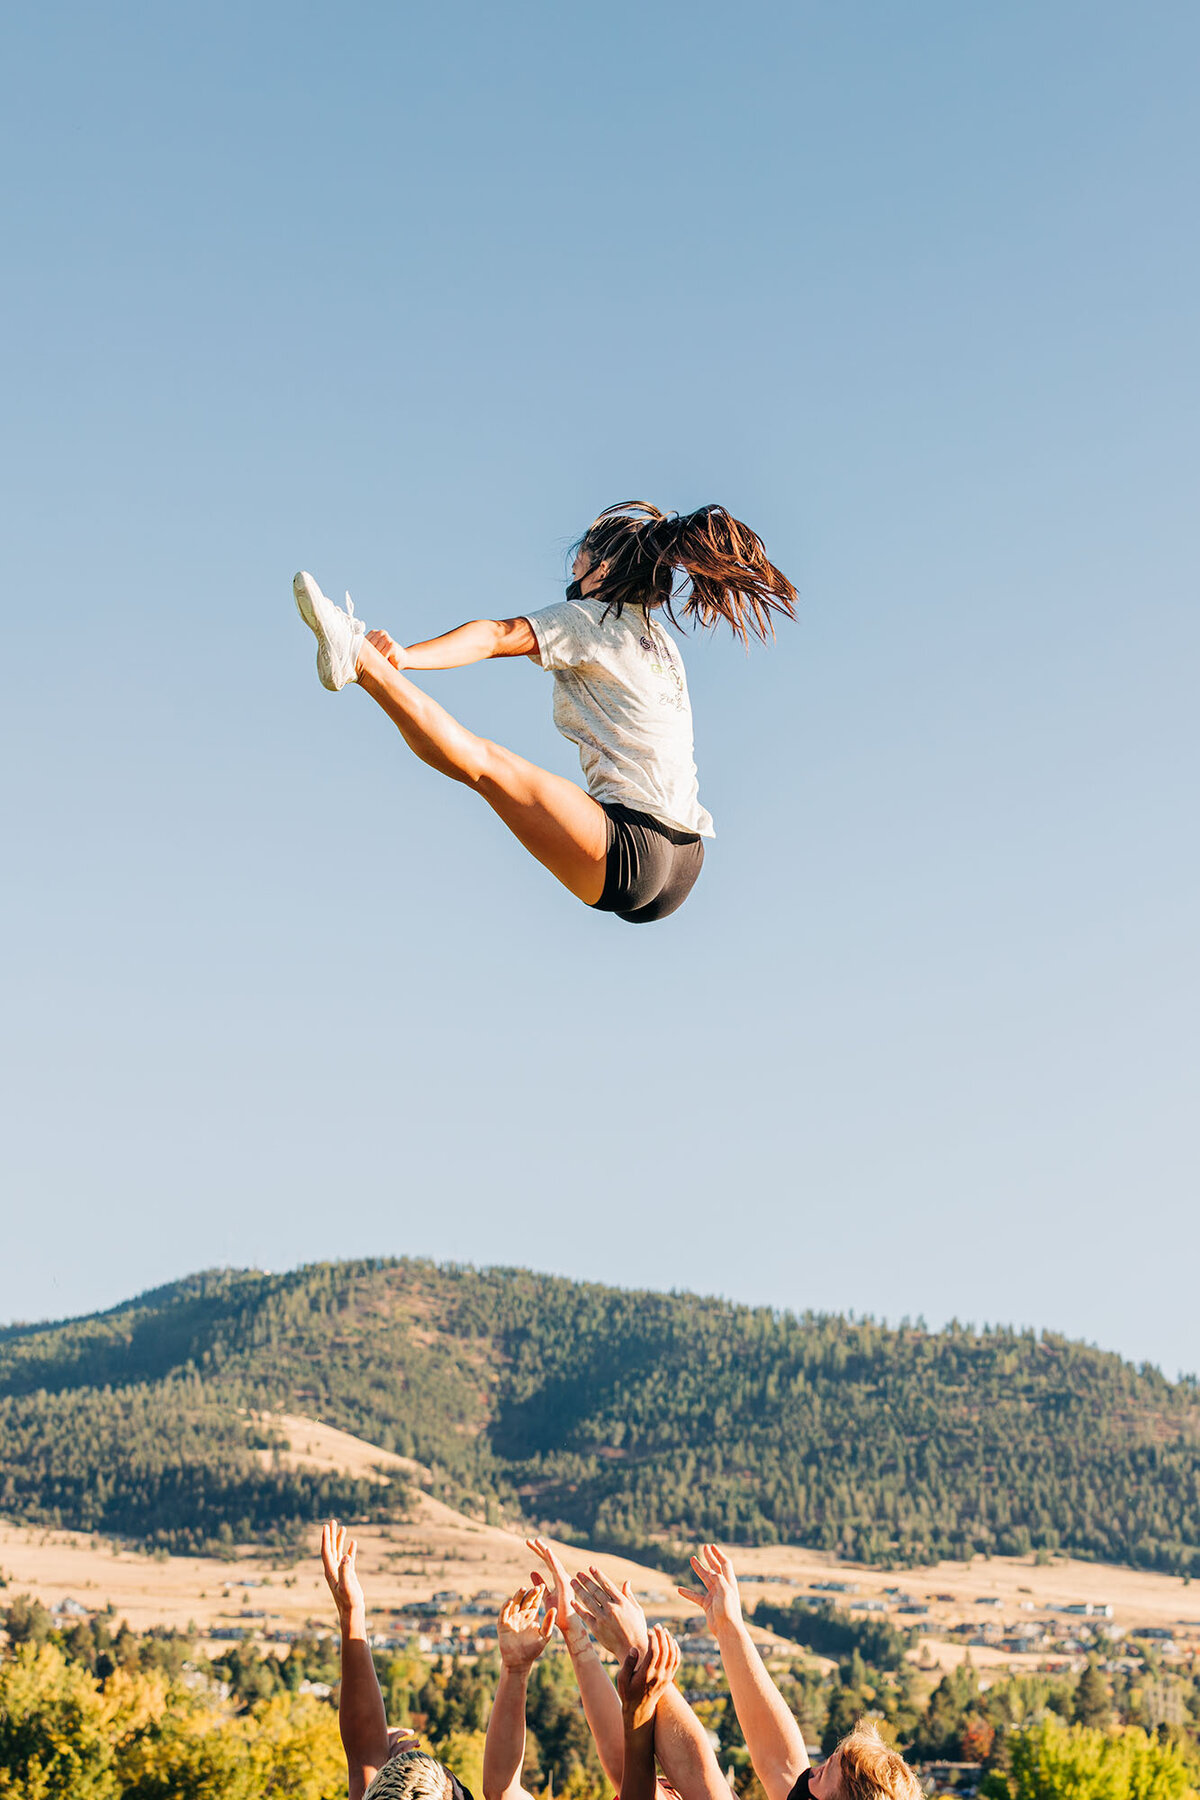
869 1770
410 1776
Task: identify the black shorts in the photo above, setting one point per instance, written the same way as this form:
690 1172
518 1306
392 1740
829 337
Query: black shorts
651 867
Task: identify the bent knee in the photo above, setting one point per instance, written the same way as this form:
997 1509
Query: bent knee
471 764
493 770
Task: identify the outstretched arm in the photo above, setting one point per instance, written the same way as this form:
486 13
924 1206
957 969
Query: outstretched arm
601 1708
522 1638
361 1716
471 643
773 1738
680 1741
643 1682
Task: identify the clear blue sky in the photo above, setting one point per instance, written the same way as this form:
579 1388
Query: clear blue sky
404 295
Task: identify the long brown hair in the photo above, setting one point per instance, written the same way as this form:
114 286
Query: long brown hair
724 564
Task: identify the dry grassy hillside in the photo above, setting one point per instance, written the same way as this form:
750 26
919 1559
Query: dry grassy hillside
439 1550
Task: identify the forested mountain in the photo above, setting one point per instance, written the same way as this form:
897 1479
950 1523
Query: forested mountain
640 1420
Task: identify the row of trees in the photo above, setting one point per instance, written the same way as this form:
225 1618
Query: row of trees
96 1711
141 1736
170 1464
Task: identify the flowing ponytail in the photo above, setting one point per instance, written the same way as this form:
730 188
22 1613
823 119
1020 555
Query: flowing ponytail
724 564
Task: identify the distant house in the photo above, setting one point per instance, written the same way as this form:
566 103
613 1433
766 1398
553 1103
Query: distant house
949 1777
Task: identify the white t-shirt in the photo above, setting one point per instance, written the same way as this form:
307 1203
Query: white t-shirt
620 693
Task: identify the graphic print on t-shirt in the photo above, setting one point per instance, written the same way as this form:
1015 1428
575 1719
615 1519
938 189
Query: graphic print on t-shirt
664 664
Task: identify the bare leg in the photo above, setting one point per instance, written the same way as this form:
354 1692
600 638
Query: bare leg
556 821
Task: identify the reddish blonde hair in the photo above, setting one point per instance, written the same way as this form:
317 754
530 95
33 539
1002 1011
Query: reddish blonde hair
869 1770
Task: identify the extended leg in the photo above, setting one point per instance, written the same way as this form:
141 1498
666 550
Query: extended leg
555 820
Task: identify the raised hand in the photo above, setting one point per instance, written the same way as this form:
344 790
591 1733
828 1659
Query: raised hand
388 647
717 1596
400 1739
644 1678
339 1553
613 1616
521 1635
564 1608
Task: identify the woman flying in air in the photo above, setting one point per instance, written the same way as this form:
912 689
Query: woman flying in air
633 843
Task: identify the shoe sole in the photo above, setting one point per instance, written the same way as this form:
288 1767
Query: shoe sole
307 593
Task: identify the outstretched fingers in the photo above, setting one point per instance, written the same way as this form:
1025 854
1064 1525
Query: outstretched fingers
334 1542
588 1597
328 1559
666 1658
553 1562
526 1602
603 1583
644 1680
655 1657
523 1635
708 1576
549 1556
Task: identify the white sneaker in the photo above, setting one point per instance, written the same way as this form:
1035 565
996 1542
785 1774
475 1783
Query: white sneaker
338 633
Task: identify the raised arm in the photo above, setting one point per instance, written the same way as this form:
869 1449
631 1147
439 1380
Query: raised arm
773 1738
361 1716
680 1741
601 1708
471 643
643 1682
522 1638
